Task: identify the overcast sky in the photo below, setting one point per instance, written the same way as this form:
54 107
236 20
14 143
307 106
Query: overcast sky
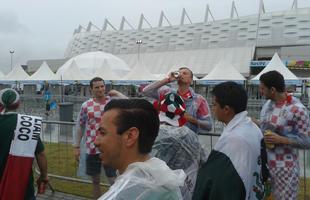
38 29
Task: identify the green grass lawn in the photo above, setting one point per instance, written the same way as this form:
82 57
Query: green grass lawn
62 162
301 190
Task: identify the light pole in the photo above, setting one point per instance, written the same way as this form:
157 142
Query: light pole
139 42
11 52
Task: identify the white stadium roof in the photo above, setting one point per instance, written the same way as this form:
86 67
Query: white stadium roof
198 45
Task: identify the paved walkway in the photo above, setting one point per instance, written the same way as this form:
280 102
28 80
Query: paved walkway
58 195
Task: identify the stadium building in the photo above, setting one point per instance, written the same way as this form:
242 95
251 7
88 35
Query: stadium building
247 42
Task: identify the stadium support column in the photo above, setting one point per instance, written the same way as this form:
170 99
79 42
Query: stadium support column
260 11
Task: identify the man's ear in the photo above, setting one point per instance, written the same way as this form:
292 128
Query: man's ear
132 135
273 90
228 109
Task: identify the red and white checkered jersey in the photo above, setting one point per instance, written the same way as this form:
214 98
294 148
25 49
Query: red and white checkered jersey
289 119
89 118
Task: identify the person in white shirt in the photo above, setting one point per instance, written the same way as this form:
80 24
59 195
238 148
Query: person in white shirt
233 169
128 130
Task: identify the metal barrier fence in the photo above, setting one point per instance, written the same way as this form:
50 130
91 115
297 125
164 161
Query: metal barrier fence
58 139
62 166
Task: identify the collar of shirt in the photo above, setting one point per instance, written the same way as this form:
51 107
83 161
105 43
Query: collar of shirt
242 116
186 95
102 101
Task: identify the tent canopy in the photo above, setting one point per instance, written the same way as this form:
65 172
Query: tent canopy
71 73
200 61
17 74
44 73
277 65
105 72
90 61
223 71
139 73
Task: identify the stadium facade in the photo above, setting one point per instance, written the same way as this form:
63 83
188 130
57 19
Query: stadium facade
243 41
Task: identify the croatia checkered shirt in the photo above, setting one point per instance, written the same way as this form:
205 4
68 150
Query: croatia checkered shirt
89 118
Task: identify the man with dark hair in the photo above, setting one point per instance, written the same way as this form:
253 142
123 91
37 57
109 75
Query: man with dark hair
273 79
20 143
285 122
127 132
87 127
176 144
197 109
232 170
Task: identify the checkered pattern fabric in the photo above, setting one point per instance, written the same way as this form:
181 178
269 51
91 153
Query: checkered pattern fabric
289 119
285 183
89 118
171 109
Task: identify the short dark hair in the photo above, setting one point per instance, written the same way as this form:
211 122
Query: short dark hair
95 80
137 113
273 79
231 94
188 70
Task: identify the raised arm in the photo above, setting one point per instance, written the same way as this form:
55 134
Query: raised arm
151 90
117 95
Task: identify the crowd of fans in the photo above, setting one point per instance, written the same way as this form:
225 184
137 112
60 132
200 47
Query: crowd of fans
151 150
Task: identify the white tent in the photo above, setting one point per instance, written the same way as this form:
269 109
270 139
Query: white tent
277 64
90 61
71 73
223 71
139 73
44 73
17 74
200 61
105 72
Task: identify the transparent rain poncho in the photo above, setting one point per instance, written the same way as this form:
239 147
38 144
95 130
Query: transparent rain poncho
180 148
148 180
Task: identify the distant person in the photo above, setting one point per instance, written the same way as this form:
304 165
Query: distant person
20 143
176 144
197 109
233 168
128 130
87 127
285 122
47 96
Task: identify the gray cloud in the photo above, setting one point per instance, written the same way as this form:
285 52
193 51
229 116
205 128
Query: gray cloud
11 24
